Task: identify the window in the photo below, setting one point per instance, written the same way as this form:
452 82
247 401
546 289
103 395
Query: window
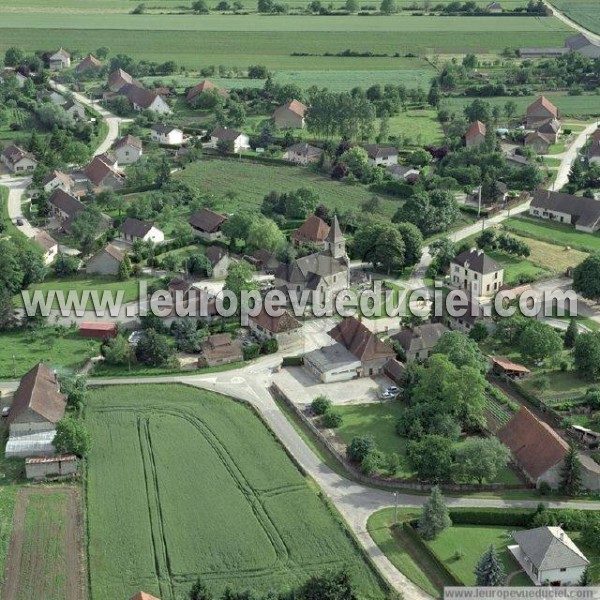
563 570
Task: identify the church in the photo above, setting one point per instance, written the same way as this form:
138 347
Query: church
324 272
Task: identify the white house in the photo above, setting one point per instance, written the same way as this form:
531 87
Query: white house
60 60
18 160
582 212
549 556
239 140
128 150
143 99
381 155
57 180
303 153
48 245
167 135
134 229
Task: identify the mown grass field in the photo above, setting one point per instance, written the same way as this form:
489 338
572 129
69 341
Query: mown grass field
20 351
185 483
252 181
584 12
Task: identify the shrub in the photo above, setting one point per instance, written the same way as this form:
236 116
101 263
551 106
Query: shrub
544 488
372 461
270 346
321 405
332 419
359 447
252 351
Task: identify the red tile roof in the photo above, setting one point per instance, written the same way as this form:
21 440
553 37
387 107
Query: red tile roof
143 596
543 102
204 86
475 129
314 229
294 106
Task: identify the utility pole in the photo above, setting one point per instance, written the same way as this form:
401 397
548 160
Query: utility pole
479 202
395 508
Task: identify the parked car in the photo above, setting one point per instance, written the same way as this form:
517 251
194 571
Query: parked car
393 389
5 411
385 395
20 221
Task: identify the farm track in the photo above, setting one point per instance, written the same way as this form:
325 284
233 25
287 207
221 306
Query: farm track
20 567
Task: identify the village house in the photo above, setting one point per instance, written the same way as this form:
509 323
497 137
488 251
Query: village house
240 141
36 408
119 78
539 142
265 260
144 99
202 87
143 596
290 115
220 349
517 160
313 231
403 173
582 212
127 150
134 229
494 8
303 154
207 224
50 467
418 342
394 370
476 272
48 245
285 328
321 273
355 352
466 317
57 180
549 556
166 134
60 60
106 261
551 129
64 205
584 45
593 152
540 111
475 135
8 73
381 155
18 160
99 330
180 289
218 258
75 110
102 173
88 64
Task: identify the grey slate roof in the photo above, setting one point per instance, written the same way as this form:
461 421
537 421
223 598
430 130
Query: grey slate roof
478 261
423 337
586 211
550 548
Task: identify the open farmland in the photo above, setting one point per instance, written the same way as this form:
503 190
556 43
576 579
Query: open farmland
45 554
241 40
252 181
185 483
584 12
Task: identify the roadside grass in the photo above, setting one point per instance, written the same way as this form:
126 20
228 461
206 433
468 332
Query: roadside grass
20 350
556 149
139 370
8 498
553 233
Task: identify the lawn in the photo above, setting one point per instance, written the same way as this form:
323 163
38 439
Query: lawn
554 233
554 258
185 483
21 350
519 269
252 181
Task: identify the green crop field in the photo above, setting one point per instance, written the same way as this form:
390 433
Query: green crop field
584 12
252 181
185 483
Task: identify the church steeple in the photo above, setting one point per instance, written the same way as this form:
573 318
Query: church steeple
335 241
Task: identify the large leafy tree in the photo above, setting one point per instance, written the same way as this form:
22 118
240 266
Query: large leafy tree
461 351
431 457
538 341
72 437
586 355
413 243
153 349
586 278
480 459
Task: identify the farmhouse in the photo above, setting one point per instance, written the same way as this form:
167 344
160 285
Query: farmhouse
74 110
584 45
240 141
220 349
403 173
60 60
542 52
105 262
37 407
550 128
144 99
97 330
134 229
313 231
418 342
539 142
290 115
64 205
593 153
18 160
285 328
324 272
357 352
128 150
51 466
57 180
549 556
202 87
475 135
303 153
473 270
103 175
540 111
166 134
494 8
207 224
48 245
580 211
119 78
381 155
218 258
89 63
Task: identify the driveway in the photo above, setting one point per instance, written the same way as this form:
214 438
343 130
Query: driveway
16 189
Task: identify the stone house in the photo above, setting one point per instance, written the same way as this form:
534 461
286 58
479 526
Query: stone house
474 271
218 258
134 229
418 342
48 245
166 134
539 142
285 328
582 212
57 180
290 115
202 87
239 140
540 111
60 60
89 63
220 349
105 262
103 175
144 99
475 135
313 231
64 205
127 150
303 154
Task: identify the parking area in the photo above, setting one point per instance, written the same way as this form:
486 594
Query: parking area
302 388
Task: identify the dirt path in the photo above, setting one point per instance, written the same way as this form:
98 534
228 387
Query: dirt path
16 572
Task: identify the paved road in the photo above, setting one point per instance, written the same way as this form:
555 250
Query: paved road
16 188
570 155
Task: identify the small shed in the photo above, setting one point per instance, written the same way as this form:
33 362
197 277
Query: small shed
504 366
51 466
98 330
